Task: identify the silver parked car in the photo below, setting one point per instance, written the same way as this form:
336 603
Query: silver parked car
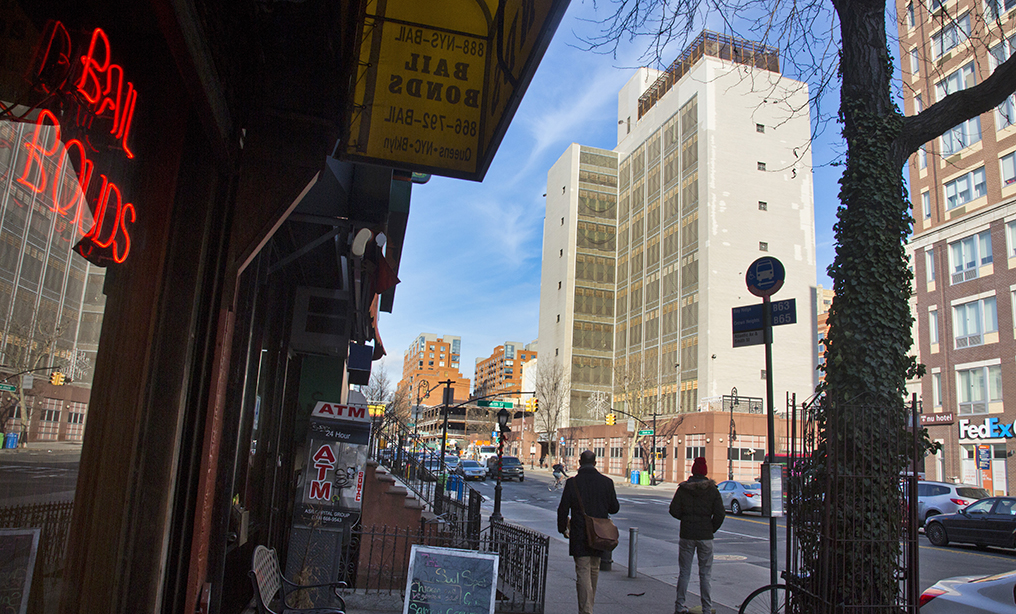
740 496
971 595
934 498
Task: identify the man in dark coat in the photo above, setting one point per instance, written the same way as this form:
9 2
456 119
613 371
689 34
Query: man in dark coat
598 500
699 507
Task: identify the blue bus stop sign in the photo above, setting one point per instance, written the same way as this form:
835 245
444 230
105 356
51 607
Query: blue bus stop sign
765 276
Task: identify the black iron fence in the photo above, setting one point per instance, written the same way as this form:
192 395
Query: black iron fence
377 561
55 521
838 560
397 448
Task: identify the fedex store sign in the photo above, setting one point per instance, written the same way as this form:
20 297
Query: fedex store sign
991 428
94 105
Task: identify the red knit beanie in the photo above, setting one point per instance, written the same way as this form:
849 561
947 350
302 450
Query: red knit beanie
699 467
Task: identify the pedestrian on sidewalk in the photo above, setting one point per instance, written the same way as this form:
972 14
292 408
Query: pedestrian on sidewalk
699 507
543 460
588 493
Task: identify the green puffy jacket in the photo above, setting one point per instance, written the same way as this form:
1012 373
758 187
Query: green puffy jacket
699 507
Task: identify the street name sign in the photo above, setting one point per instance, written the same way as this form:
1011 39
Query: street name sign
749 337
497 404
8 388
645 432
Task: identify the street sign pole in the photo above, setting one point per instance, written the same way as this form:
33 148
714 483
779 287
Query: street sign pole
768 323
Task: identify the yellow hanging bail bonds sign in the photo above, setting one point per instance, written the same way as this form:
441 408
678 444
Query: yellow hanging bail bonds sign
438 83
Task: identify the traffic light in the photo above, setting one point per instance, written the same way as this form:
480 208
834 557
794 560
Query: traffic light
56 378
611 419
536 404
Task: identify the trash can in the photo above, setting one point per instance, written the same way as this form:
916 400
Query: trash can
457 486
644 478
634 477
11 441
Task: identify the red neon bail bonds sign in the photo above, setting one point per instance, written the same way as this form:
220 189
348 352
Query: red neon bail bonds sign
94 96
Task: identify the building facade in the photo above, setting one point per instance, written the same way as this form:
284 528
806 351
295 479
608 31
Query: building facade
963 252
501 372
646 247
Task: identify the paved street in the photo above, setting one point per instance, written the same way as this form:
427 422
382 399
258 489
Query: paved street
38 474
741 547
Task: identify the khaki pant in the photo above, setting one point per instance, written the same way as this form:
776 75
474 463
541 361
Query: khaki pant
587 571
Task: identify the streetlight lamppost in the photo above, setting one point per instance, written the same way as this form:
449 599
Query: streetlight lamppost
502 423
732 435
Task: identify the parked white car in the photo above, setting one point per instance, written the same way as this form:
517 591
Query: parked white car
971 595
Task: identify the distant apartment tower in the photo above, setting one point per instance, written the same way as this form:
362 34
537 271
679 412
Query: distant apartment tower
823 301
963 252
431 359
501 372
712 170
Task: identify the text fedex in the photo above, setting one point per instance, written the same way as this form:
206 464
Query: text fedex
991 428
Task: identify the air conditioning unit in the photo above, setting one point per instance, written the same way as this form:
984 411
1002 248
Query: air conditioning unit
321 318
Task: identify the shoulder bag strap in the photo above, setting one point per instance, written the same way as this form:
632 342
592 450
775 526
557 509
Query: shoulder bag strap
578 496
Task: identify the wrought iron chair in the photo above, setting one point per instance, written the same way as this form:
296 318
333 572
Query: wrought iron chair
271 588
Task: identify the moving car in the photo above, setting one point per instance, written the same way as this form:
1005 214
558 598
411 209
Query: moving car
471 470
934 498
972 595
740 496
988 522
511 468
452 461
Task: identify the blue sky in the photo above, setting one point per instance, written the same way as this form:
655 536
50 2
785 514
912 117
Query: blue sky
471 260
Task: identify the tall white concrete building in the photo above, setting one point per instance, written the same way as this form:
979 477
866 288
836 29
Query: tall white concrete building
645 247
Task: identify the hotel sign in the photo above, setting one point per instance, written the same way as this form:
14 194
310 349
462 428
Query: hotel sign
436 90
934 419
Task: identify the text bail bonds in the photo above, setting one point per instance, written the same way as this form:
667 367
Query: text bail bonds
989 429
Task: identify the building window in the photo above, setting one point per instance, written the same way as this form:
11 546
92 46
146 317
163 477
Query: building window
934 5
972 320
936 389
926 204
950 36
763 373
968 132
760 128
558 285
558 317
922 156
763 246
933 326
761 166
929 260
911 22
915 62
562 221
1010 233
763 205
1009 169
965 188
977 387
967 255
560 253
555 349
961 136
994 8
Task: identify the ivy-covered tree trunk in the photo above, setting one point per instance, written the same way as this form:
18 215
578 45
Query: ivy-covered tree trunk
869 329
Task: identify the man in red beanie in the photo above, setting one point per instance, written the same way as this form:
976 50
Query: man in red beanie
699 507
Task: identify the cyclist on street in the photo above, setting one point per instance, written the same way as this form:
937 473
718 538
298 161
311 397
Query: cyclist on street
559 474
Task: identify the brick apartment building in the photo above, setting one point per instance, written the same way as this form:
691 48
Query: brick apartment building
501 372
963 252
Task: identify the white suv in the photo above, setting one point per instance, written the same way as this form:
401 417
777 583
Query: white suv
935 498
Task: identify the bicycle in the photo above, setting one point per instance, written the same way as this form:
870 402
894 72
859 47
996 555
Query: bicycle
559 483
760 600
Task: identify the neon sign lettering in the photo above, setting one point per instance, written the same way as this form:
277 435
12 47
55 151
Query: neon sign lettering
99 89
109 228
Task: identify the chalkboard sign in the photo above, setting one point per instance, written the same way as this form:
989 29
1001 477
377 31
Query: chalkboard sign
18 549
448 580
